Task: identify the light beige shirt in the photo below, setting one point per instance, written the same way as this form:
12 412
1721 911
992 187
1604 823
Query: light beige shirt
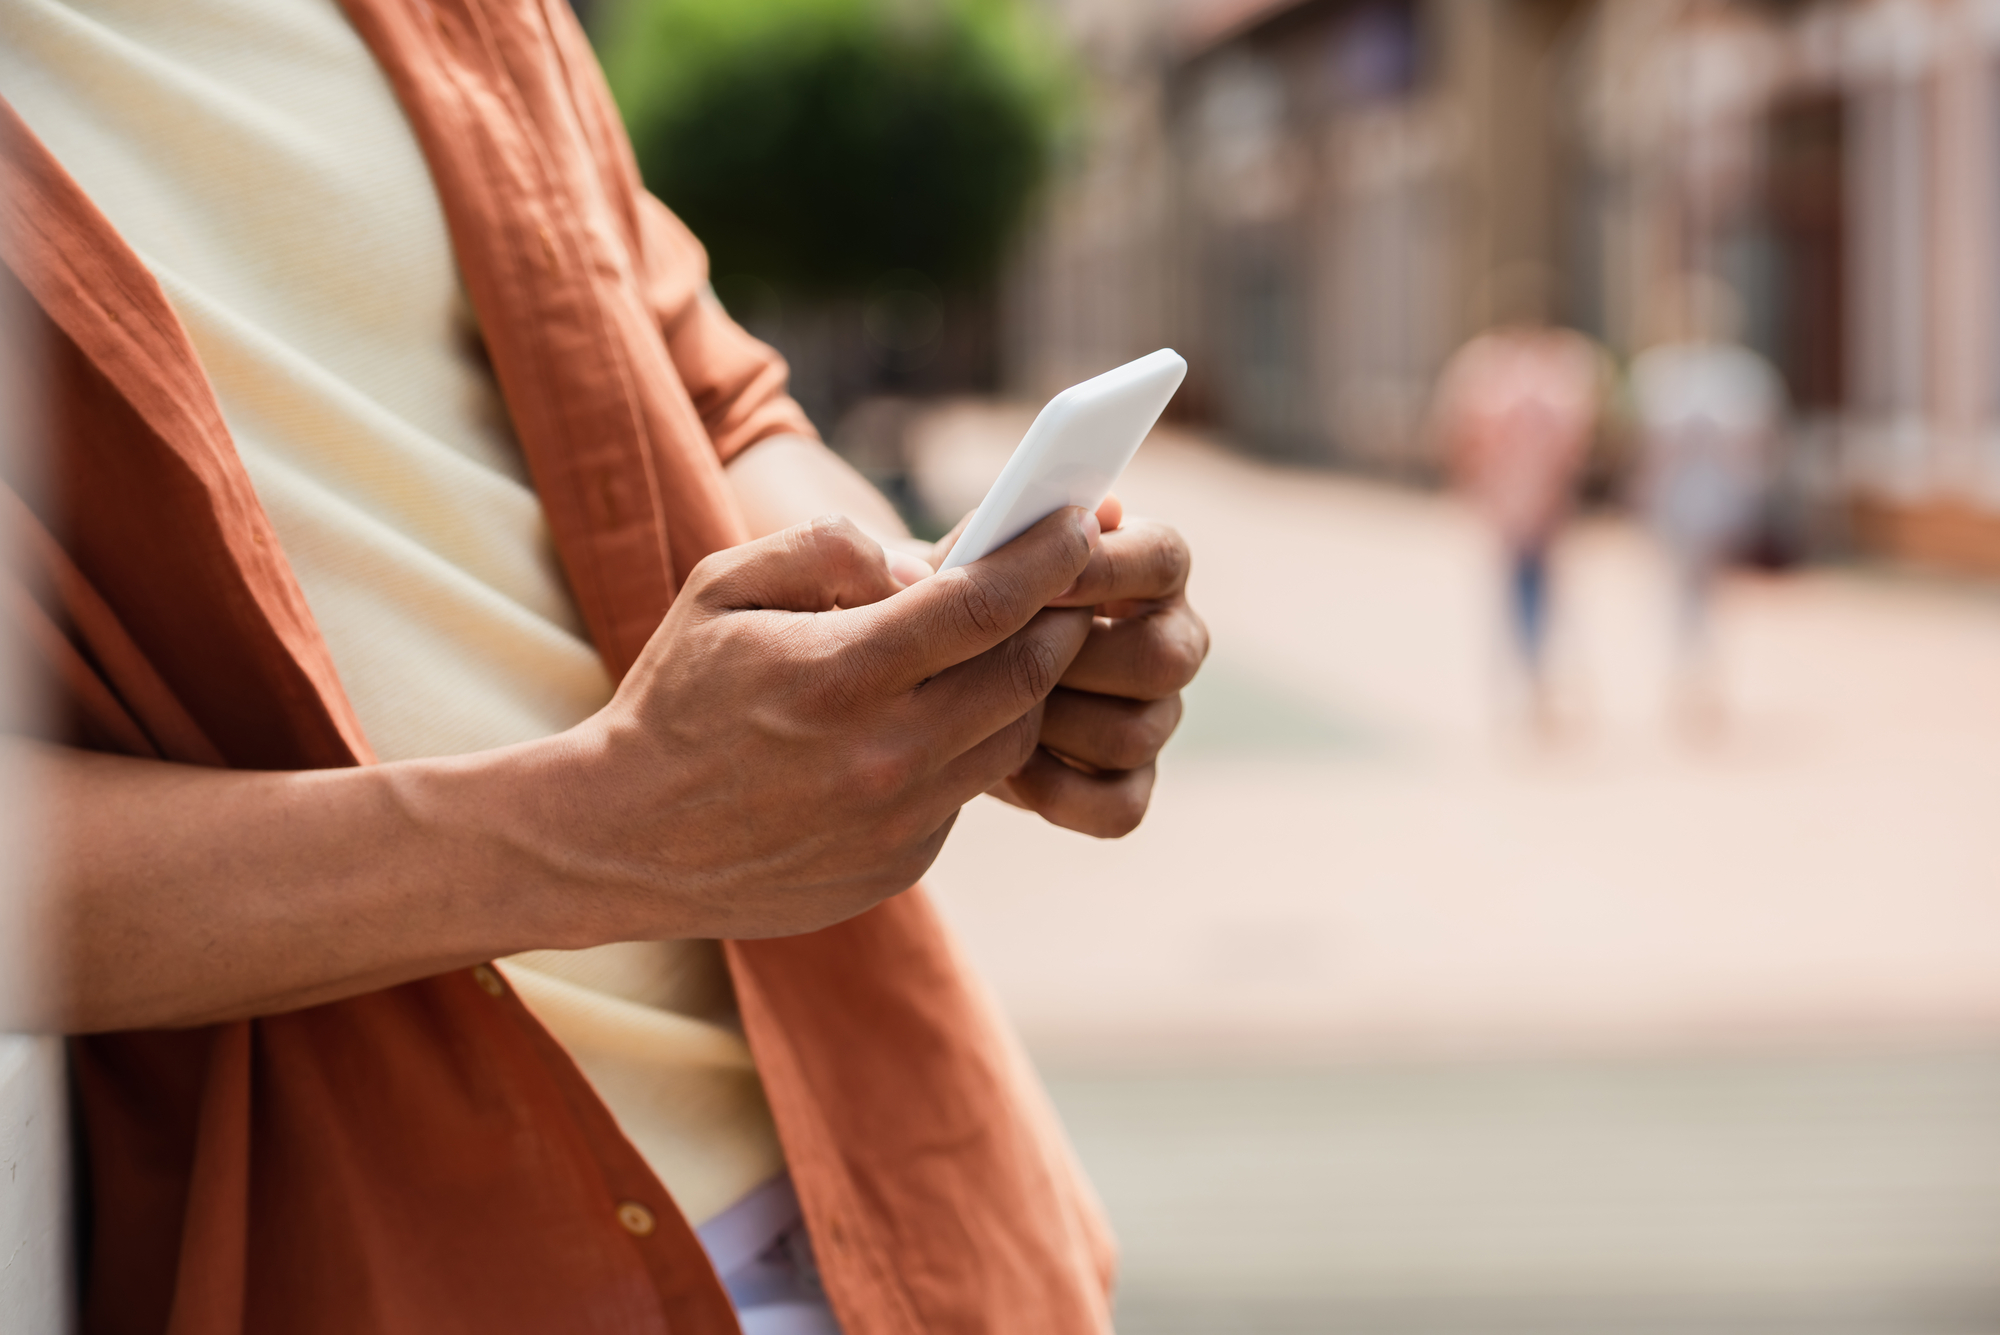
254 156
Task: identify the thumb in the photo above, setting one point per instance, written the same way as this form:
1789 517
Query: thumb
812 567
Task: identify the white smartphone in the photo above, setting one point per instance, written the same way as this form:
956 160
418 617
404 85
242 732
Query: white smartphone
1080 442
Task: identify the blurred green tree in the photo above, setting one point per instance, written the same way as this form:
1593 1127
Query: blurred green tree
817 145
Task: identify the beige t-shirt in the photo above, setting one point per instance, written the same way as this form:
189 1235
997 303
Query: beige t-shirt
254 155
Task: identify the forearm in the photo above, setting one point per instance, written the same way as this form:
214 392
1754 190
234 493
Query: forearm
176 895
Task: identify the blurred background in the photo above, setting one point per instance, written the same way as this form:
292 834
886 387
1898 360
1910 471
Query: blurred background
1572 901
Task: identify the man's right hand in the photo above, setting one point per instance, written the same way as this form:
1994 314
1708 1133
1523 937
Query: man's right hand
791 748
796 740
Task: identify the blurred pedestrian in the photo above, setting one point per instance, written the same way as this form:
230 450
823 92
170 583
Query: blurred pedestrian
1515 411
1707 410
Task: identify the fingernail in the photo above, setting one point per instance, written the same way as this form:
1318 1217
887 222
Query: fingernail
906 569
1092 530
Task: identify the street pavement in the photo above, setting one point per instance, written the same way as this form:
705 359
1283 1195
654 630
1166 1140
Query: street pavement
1808 1195
1398 1015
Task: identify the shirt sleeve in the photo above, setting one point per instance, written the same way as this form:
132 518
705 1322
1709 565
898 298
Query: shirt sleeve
737 383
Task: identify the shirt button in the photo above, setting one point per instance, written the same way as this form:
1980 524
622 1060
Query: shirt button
489 981
636 1218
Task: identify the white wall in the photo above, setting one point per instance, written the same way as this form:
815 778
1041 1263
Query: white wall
34 1188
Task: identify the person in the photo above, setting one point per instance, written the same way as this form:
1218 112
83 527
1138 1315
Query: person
1515 411
1707 411
494 742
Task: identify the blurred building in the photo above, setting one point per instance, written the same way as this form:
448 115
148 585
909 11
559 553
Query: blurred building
1317 200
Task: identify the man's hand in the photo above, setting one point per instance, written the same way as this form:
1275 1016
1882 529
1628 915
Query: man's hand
797 738
1102 729
1121 698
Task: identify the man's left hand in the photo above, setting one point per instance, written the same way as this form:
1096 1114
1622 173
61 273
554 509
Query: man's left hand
1104 725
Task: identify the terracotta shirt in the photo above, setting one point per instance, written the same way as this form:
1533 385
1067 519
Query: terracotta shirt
427 1158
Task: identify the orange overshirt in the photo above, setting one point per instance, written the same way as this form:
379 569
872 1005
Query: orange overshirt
426 1158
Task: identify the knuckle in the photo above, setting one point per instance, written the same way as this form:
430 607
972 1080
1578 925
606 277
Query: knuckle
1175 655
1198 634
1160 664
1136 739
833 529
708 575
836 542
878 775
1034 666
1186 656
980 610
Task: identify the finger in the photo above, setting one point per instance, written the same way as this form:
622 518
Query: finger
955 710
989 762
1141 658
1108 806
1143 560
1106 731
959 614
1110 513
906 568
812 567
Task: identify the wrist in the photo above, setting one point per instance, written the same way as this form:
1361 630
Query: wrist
504 836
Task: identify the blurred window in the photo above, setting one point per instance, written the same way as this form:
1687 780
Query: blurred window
1888 191
1373 54
1806 208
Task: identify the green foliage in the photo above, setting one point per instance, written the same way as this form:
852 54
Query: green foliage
819 144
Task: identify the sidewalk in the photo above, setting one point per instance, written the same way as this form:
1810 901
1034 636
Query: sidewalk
1796 1195
1348 854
